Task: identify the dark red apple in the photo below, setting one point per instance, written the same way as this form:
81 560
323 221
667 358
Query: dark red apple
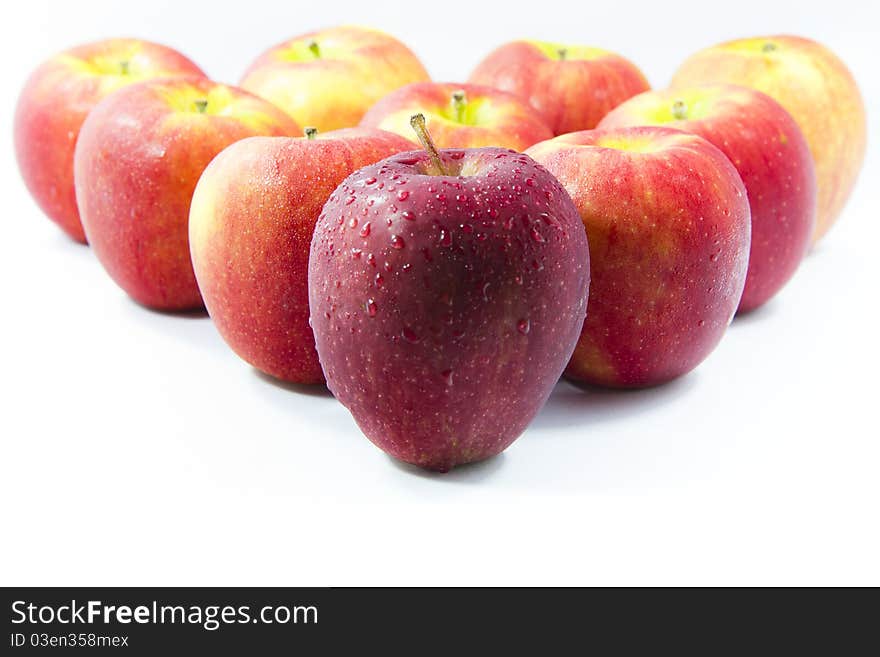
446 294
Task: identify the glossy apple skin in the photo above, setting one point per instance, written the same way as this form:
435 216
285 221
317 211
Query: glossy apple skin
357 66
495 118
54 103
571 94
771 156
251 223
445 325
138 158
668 224
815 87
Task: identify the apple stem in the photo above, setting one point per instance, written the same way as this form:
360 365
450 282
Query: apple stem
768 46
679 110
459 103
563 53
201 105
417 121
310 132
316 50
124 67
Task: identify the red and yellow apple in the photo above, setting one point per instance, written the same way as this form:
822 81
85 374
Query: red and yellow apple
250 228
330 78
139 155
572 86
815 87
461 115
55 101
668 224
771 156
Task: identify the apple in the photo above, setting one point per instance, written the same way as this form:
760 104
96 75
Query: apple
250 229
771 156
815 87
571 86
445 325
461 115
668 222
329 79
55 101
139 155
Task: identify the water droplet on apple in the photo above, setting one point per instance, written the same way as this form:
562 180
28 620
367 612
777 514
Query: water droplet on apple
409 335
365 231
353 222
409 216
402 195
537 236
372 309
524 326
370 180
447 377
445 239
380 280
349 200
397 242
549 219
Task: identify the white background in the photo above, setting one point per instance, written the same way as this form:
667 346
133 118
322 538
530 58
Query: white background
137 449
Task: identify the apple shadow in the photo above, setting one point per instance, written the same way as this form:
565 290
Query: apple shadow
306 389
194 313
65 241
191 327
573 404
760 314
469 473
